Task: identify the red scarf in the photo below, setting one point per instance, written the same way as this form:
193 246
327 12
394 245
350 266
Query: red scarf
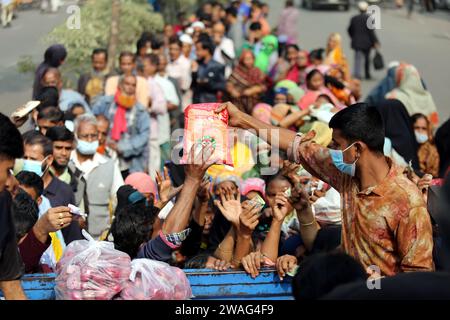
124 103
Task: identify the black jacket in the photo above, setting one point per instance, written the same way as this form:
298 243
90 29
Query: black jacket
362 37
208 81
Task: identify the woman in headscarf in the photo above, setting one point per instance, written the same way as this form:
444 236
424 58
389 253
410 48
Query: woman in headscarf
335 55
399 129
294 92
386 85
315 85
287 66
411 92
246 83
54 57
268 55
428 154
334 80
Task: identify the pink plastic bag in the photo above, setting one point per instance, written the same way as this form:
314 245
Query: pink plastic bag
91 270
156 280
203 125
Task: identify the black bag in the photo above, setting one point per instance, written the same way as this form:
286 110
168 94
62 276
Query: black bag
378 62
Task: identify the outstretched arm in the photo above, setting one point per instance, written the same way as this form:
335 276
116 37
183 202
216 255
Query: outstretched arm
271 134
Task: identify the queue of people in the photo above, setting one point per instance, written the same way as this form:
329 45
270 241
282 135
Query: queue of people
350 180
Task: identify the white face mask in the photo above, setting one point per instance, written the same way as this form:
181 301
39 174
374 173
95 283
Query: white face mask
421 137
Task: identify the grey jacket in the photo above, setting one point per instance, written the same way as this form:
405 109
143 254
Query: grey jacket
133 143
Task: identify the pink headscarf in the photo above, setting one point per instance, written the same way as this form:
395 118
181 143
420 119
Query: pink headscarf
142 182
253 184
262 112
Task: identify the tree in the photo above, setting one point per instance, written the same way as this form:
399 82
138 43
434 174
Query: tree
170 8
135 17
114 35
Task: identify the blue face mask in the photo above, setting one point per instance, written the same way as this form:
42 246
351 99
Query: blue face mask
87 148
337 156
34 166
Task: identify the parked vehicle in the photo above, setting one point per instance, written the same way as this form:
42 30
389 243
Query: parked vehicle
326 4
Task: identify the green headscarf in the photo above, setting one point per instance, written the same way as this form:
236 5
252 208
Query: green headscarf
269 46
293 89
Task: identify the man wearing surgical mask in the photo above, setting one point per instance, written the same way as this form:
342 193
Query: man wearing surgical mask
385 222
102 176
38 158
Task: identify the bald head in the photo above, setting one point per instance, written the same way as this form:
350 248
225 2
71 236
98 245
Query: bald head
52 78
218 32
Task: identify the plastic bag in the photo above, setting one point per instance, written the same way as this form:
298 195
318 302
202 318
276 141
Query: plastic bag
156 280
203 125
91 270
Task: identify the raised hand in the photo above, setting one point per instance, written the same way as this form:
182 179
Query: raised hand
301 202
249 218
230 206
290 170
166 190
199 160
203 192
280 209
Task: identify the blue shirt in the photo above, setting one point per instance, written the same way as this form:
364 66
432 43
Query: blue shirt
67 98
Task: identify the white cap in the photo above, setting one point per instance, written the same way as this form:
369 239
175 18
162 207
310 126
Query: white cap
198 24
362 6
189 31
185 38
393 64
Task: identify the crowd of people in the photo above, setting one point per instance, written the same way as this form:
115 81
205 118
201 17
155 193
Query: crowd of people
350 189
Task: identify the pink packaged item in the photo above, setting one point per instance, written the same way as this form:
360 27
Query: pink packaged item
203 125
156 280
91 270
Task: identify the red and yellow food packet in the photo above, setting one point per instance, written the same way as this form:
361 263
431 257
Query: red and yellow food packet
203 125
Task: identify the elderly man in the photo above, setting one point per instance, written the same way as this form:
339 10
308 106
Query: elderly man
103 132
363 40
102 176
129 124
224 52
67 97
127 65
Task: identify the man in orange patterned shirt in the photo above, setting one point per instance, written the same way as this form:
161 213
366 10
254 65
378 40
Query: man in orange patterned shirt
385 222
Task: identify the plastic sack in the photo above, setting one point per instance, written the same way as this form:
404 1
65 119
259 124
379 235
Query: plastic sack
203 125
156 280
91 270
